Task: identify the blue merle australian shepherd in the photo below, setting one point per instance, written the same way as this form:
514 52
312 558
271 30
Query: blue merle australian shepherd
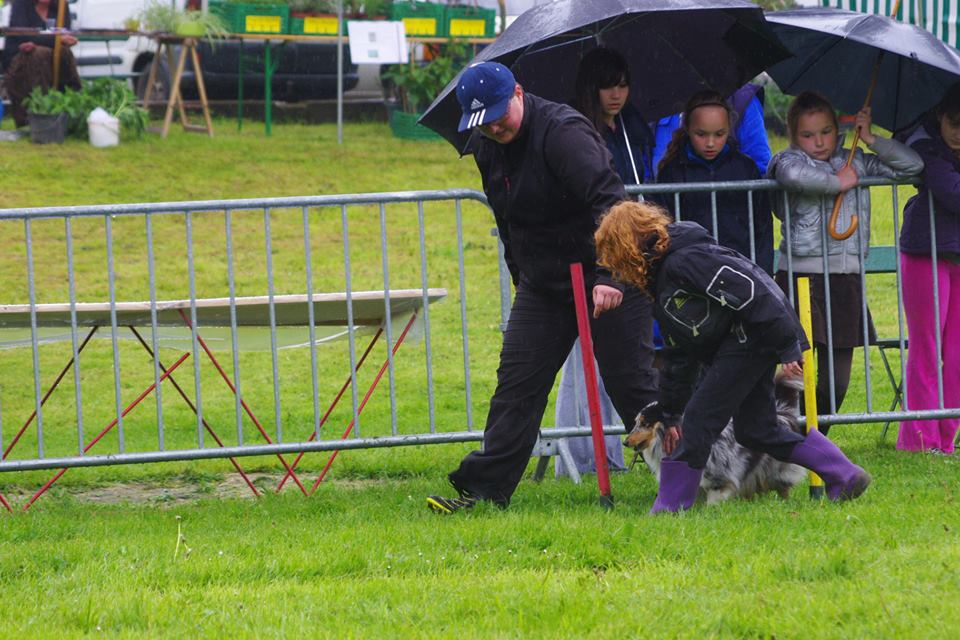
733 470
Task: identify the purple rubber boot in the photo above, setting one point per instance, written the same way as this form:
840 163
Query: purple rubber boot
679 483
844 480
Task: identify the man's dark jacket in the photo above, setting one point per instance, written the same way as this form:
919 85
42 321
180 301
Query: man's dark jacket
548 187
705 294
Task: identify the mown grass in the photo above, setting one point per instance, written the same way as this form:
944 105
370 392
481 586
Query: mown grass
362 557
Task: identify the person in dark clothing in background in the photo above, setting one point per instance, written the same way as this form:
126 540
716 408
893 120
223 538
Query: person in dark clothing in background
703 150
548 178
28 60
602 94
718 309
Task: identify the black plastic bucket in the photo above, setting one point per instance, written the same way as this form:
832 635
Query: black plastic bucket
46 129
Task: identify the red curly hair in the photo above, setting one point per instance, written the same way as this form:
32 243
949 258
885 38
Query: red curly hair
630 238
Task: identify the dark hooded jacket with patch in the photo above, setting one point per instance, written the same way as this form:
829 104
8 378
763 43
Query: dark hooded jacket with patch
703 295
548 188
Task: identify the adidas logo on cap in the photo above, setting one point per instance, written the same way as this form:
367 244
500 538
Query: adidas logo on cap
476 104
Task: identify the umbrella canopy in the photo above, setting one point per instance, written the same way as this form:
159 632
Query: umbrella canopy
835 52
674 47
939 17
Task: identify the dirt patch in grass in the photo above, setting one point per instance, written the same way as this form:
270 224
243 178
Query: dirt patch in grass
176 490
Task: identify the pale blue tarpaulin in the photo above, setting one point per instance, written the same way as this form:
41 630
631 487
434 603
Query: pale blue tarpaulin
939 17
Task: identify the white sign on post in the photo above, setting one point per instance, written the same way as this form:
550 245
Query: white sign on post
377 42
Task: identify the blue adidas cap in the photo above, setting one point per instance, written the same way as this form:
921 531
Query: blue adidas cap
484 91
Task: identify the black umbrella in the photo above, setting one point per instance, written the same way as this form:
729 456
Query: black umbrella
835 52
674 47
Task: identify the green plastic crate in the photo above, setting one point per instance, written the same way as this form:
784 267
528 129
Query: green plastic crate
420 18
320 25
404 125
469 22
253 18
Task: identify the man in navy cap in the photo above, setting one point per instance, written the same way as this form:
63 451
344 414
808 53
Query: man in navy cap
548 177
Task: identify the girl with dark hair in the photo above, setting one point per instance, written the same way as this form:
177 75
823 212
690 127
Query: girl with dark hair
720 311
602 94
703 150
937 140
813 171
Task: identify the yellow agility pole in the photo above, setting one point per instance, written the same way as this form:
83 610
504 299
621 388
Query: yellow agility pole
809 374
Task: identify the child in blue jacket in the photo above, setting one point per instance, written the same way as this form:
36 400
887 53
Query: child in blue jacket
703 150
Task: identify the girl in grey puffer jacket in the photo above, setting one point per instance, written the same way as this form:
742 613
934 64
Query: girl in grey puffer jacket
813 172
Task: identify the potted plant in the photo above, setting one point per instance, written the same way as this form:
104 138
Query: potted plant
413 87
162 17
47 113
313 17
366 9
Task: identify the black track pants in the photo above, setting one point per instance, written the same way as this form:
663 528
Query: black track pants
737 384
540 332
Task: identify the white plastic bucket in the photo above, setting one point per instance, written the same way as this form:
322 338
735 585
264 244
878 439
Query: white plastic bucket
104 129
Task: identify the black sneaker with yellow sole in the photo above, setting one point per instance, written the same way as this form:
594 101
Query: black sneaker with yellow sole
448 506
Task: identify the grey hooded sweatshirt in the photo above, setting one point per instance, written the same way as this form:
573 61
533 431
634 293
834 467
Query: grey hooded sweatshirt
812 185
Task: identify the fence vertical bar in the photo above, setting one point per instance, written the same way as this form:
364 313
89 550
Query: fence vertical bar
273 324
32 293
152 277
864 317
713 215
387 318
312 320
426 317
463 315
676 206
938 329
900 312
72 293
787 248
351 341
112 287
828 310
505 280
192 280
234 346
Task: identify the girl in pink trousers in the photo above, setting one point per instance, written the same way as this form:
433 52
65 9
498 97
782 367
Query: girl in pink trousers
937 140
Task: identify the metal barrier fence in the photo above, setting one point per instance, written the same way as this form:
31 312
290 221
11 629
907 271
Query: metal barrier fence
340 248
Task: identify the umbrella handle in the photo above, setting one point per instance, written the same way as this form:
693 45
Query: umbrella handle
834 217
854 221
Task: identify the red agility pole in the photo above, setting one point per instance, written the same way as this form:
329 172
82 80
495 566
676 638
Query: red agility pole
333 405
590 379
243 403
110 426
236 465
363 403
6 504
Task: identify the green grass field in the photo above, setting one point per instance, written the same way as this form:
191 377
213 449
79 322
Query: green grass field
362 557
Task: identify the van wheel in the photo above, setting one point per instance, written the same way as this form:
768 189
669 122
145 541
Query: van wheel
161 84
